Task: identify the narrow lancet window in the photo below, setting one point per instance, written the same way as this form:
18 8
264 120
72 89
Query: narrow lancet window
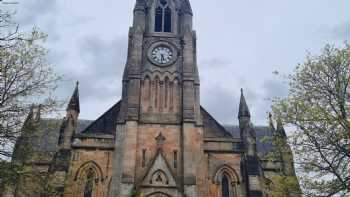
167 20
175 158
225 189
143 158
159 19
162 17
89 185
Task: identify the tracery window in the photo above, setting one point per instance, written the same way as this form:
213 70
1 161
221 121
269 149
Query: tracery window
162 17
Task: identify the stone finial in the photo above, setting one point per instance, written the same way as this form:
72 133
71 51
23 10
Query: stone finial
243 107
74 103
280 129
186 7
160 139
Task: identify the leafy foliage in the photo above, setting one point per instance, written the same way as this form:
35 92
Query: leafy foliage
134 193
25 77
283 186
318 107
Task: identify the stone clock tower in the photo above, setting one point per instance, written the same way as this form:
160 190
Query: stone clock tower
155 136
157 141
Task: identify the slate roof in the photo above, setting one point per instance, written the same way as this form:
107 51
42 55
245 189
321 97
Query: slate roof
46 139
263 136
212 128
105 124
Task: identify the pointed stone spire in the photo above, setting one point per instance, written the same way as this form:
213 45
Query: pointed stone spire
243 107
280 129
74 103
186 7
271 124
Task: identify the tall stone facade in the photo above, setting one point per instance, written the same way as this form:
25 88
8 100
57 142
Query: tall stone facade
157 141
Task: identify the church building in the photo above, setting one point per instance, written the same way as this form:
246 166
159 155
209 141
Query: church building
157 141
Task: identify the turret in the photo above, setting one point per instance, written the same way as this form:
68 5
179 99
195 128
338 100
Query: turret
61 161
69 123
74 103
243 113
253 172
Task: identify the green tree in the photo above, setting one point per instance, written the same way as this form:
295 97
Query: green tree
282 182
317 108
25 77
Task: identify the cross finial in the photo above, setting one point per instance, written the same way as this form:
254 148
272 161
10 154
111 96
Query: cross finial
160 140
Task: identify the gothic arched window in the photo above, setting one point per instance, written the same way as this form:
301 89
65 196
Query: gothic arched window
89 184
162 17
225 187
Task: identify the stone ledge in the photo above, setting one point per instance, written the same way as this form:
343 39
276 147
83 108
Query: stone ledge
94 136
225 139
103 147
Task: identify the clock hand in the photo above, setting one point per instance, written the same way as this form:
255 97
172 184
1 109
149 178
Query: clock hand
162 57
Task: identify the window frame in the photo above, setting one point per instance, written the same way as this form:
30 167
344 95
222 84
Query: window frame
163 17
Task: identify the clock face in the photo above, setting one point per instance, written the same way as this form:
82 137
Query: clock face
162 55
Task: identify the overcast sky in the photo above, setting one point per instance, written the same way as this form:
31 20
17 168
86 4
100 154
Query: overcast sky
240 44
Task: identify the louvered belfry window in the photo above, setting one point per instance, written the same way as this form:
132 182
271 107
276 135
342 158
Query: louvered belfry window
162 17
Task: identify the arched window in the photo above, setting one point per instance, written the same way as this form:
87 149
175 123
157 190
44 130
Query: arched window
162 17
89 184
225 188
227 180
88 178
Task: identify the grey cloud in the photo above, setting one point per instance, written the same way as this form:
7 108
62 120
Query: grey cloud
105 62
100 80
221 104
240 56
224 105
36 9
215 63
342 31
275 88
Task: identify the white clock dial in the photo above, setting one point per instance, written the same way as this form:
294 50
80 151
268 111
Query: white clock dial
162 55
